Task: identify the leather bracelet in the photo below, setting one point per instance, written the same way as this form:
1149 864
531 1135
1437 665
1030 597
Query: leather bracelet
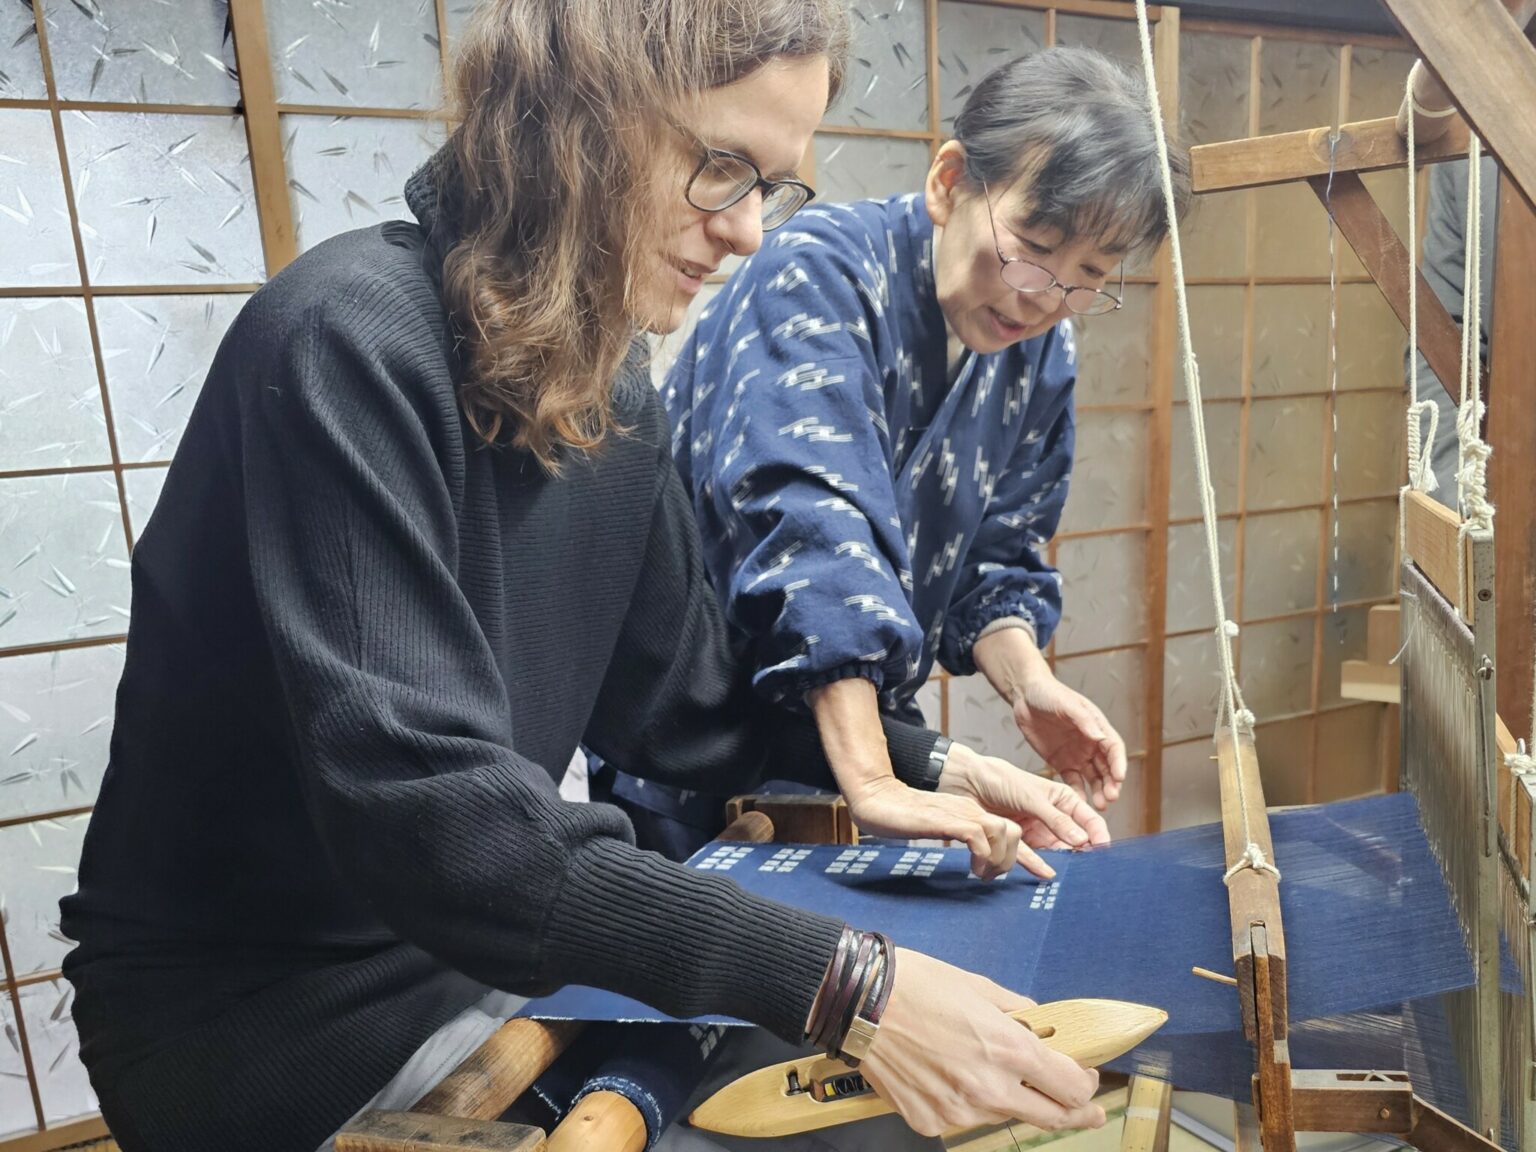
866 1020
853 988
857 988
822 1012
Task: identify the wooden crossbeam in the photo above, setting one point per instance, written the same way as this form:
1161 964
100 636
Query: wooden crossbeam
1482 57
1363 146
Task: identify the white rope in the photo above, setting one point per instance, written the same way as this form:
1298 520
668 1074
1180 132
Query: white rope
1333 362
1472 451
1234 708
1421 472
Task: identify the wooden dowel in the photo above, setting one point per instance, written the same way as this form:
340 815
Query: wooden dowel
500 1070
601 1122
1207 974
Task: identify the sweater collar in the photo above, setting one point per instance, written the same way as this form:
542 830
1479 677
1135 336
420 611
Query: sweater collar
435 196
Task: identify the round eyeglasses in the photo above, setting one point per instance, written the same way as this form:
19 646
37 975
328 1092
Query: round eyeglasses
1031 279
723 179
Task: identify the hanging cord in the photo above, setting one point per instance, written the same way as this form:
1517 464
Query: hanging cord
1234 710
1472 451
1333 359
1421 472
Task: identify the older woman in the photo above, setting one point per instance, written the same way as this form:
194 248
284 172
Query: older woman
875 420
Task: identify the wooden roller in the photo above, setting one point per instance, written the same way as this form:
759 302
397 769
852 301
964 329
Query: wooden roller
817 1091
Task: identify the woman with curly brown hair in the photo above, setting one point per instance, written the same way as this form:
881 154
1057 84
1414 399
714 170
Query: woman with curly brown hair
438 541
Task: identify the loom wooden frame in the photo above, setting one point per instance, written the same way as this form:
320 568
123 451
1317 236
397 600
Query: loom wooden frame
1282 1097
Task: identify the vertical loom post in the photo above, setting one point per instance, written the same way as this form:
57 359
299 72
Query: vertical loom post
1484 654
1258 937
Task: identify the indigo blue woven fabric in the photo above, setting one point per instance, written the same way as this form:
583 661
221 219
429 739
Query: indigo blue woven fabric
861 513
1369 929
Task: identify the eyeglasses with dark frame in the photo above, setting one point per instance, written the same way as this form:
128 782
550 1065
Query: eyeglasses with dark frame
1031 279
723 179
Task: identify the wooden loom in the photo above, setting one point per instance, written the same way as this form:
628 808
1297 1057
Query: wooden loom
1490 72
1479 54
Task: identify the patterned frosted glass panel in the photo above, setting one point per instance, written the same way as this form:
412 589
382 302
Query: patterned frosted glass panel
1298 86
1377 78
1191 786
973 40
157 351
62 1080
36 248
1216 329
1109 474
41 858
134 50
1189 581
63 559
457 14
1349 753
21 75
1285 761
1116 682
1292 232
1344 636
1104 592
1370 444
350 172
1371 340
377 55
1213 86
1285 452
1191 685
1115 38
1290 338
16 1114
980 720
50 401
887 84
1223 429
1114 351
1214 235
860 167
1367 533
1276 672
1280 556
55 722
164 199
143 486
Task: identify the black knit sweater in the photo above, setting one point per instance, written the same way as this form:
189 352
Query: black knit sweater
363 648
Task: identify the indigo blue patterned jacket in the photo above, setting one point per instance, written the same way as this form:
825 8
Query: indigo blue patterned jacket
860 515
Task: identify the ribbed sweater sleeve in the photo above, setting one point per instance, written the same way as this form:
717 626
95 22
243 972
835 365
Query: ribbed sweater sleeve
399 713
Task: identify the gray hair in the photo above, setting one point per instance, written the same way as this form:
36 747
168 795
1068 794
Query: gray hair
1072 125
